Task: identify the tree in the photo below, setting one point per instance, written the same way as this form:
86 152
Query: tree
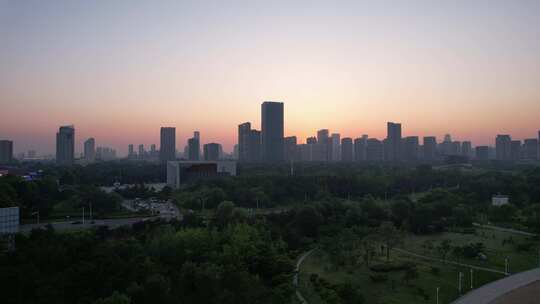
389 236
224 213
410 274
115 298
444 248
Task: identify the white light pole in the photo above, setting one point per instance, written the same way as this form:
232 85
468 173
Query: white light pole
90 212
471 278
437 295
83 215
460 276
506 266
37 214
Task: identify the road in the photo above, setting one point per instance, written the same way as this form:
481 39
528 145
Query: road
68 225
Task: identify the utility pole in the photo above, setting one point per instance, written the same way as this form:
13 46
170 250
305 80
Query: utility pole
83 215
471 278
437 295
90 212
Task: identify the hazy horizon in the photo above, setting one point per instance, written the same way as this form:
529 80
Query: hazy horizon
120 70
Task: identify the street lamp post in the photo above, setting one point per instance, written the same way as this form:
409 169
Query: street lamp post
460 277
437 295
506 266
83 215
471 278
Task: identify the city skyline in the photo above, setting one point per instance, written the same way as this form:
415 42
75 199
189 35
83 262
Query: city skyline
119 71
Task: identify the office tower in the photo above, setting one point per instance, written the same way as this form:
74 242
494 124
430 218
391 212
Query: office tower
167 144
211 151
194 147
197 135
235 152
131 151
374 150
323 151
410 148
243 141
455 148
90 149
272 126
360 145
515 149
335 146
304 152
392 147
503 146
311 140
291 151
482 152
6 151
142 152
466 148
430 147
65 145
255 146
347 149
530 149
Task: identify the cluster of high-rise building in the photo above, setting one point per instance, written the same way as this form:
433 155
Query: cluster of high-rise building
270 145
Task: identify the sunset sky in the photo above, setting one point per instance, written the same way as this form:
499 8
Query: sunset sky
118 70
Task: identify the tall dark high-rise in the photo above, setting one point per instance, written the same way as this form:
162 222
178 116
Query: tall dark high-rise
65 145
211 151
515 149
6 151
466 148
430 147
90 149
393 142
531 148
167 144
482 152
374 150
249 143
272 130
323 150
347 149
503 147
194 146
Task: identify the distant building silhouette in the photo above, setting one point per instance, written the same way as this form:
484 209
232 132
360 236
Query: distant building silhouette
212 151
65 145
335 144
6 151
142 152
323 150
249 143
374 150
503 147
392 149
194 146
410 148
515 150
360 145
347 149
167 146
90 150
482 152
291 149
272 130
530 147
430 148
466 149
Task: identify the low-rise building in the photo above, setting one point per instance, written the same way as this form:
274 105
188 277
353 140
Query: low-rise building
499 200
182 172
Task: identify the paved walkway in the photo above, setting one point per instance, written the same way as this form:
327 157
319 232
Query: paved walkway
448 262
489 293
297 271
509 230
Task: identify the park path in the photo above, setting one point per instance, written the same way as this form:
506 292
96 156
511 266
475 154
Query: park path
509 230
297 271
403 251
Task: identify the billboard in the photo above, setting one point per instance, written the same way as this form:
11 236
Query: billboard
9 220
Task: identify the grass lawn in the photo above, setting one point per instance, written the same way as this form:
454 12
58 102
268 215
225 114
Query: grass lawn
422 289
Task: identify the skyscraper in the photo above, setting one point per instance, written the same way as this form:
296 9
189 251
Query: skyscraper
336 147
410 148
65 145
482 153
194 147
347 149
393 142
243 141
430 147
90 150
131 151
211 151
6 151
466 148
167 145
323 150
272 126
503 146
142 152
531 149
374 150
360 149
515 149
